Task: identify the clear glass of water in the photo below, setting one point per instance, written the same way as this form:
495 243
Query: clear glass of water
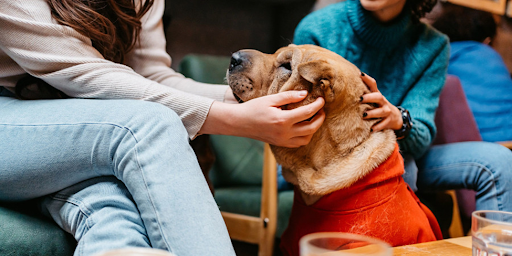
491 233
342 244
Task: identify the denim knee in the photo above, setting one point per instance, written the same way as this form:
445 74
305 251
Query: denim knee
496 158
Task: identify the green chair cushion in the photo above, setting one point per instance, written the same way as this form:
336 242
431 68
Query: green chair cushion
26 234
205 68
239 161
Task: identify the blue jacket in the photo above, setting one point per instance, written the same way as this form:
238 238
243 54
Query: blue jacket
488 87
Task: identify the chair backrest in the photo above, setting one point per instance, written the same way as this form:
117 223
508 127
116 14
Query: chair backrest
205 68
455 123
454 119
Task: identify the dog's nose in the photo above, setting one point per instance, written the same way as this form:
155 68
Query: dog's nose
236 60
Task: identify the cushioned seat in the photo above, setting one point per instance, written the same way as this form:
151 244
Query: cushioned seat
237 178
25 232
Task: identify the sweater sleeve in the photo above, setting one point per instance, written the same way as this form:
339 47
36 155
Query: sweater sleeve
303 35
312 28
422 102
66 60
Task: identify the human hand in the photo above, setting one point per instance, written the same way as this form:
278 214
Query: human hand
263 119
390 116
287 128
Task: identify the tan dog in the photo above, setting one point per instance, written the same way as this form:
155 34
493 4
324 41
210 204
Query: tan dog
343 150
349 178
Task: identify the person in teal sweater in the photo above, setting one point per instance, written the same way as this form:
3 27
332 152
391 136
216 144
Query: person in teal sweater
409 59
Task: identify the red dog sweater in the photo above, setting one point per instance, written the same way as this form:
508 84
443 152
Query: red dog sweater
380 205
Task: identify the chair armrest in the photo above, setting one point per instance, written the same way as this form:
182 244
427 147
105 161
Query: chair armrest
507 144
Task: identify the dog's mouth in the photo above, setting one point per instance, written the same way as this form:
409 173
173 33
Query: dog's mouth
238 98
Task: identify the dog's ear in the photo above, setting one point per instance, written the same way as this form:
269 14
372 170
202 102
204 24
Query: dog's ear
320 74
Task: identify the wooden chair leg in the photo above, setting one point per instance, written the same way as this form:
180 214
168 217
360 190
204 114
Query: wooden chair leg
268 203
507 144
455 229
266 246
259 230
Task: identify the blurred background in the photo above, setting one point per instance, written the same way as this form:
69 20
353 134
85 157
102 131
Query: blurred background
221 27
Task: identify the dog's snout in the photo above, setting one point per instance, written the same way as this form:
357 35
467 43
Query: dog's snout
236 60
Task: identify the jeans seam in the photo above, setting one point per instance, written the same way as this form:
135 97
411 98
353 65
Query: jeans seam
83 211
157 217
81 206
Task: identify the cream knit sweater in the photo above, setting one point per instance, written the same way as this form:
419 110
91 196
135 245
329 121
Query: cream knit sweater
31 42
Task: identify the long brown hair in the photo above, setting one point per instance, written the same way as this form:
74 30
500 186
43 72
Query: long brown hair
112 25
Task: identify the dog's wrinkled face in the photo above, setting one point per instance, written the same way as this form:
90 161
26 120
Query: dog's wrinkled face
343 149
254 74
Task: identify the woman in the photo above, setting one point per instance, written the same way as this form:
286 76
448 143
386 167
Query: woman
409 59
112 160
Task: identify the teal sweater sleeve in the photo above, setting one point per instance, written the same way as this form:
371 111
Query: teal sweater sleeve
422 101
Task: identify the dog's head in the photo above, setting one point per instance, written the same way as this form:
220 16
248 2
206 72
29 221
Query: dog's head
321 72
343 149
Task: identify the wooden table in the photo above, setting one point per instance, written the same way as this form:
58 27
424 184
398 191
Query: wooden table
460 246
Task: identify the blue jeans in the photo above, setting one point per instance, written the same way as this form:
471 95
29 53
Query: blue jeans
113 173
484 167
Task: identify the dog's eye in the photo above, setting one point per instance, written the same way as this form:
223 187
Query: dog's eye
286 66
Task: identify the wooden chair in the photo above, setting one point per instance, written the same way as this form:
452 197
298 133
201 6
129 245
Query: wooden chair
259 230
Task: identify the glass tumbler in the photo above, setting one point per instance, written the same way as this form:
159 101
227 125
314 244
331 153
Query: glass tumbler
491 233
342 244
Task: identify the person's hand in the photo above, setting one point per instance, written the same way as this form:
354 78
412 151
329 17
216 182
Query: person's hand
390 116
263 119
287 128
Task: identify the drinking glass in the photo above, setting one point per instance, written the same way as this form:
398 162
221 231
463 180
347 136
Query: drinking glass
491 233
342 244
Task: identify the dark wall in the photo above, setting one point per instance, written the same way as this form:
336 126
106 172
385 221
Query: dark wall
221 27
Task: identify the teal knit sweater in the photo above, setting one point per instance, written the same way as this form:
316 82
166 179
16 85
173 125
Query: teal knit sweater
408 60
